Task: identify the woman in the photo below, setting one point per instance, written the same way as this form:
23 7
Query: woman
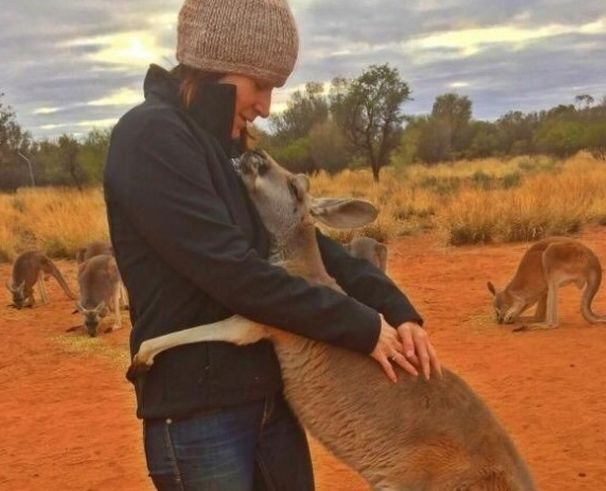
192 250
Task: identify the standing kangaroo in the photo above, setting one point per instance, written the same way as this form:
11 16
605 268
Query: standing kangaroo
30 268
545 266
414 435
100 290
369 249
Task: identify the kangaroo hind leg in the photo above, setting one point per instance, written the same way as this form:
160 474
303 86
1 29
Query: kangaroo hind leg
42 287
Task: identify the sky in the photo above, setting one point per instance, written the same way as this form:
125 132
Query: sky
69 66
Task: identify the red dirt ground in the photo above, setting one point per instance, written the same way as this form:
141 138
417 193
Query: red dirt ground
67 413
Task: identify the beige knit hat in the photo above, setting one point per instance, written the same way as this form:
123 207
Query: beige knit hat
257 38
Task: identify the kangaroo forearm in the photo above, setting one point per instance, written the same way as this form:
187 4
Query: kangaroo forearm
236 330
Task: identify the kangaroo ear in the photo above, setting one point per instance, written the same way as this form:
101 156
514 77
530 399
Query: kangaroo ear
79 308
491 288
100 307
10 287
343 212
21 287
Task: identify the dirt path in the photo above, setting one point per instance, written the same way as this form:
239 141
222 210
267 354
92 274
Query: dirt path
67 413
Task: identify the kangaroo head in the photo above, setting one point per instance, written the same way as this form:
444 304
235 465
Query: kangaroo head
18 293
283 201
92 317
504 304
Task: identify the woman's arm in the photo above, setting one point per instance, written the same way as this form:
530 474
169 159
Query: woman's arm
167 192
366 283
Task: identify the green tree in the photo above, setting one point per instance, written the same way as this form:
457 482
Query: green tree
93 152
560 138
515 132
367 109
69 160
585 99
303 111
15 151
434 141
484 140
328 148
454 113
594 139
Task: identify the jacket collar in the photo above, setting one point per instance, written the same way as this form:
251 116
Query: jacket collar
213 109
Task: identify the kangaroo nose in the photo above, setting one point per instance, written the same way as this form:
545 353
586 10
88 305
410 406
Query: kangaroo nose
245 164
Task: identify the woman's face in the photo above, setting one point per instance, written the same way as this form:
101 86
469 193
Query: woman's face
253 98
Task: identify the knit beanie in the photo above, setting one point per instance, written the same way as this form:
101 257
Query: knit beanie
257 38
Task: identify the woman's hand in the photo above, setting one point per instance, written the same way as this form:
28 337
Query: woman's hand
418 349
390 348
409 347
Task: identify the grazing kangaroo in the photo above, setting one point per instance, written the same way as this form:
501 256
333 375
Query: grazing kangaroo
414 435
30 268
369 249
100 290
545 266
93 249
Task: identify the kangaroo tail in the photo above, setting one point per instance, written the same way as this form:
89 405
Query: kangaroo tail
50 268
593 284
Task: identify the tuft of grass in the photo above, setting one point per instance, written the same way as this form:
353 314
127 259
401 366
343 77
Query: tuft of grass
86 346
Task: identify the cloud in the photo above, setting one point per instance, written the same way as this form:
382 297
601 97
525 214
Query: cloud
470 41
120 97
124 49
67 64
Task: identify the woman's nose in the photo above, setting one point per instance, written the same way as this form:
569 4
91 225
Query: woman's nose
263 103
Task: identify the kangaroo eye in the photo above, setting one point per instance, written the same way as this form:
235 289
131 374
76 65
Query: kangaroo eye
294 190
262 168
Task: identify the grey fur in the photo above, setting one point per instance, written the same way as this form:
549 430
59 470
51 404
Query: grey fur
100 291
370 249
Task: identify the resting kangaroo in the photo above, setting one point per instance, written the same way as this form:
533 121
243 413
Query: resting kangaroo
414 435
545 266
30 268
100 290
369 249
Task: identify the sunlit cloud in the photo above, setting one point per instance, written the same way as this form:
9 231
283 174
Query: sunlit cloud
132 49
121 97
458 85
470 41
46 110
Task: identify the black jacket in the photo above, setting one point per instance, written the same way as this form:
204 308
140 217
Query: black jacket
192 250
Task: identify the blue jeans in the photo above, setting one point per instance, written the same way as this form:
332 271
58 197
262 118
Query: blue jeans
256 446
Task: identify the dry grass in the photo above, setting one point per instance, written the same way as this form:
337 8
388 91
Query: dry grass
480 201
58 221
465 202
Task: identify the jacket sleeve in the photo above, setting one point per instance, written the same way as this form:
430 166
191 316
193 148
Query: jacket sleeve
172 203
366 283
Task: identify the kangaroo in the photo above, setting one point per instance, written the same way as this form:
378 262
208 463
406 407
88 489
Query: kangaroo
99 282
369 249
545 266
93 249
30 268
417 434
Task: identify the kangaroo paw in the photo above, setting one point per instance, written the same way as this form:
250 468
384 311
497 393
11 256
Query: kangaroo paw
138 367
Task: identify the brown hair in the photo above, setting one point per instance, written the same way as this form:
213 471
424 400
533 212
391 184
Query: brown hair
190 80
